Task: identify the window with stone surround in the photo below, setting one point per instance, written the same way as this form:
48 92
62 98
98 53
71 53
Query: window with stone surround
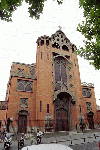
88 104
86 92
60 69
24 85
24 102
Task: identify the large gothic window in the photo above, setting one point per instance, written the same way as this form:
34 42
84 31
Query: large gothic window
60 69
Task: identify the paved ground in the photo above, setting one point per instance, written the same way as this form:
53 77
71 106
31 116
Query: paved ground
77 141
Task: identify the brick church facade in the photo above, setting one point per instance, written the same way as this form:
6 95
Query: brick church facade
48 94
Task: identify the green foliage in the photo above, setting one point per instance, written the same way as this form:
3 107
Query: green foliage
90 28
7 7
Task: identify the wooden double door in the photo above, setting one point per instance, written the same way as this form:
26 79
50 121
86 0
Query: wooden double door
22 124
61 120
90 121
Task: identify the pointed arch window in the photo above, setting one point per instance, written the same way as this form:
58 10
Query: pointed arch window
28 87
60 69
21 87
24 85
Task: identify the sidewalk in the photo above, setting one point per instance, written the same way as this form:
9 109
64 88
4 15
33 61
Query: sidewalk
73 138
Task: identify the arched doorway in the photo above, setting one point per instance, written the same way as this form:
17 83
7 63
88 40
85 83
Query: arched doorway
61 119
22 121
62 112
90 119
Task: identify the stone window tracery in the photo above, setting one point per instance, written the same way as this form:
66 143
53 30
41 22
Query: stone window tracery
69 68
3 105
60 69
24 85
60 41
88 104
86 92
28 87
70 76
20 71
24 102
71 85
32 70
21 86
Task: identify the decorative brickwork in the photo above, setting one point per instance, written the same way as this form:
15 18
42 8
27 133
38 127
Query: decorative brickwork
49 92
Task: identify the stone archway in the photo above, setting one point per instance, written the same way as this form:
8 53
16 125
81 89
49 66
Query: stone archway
62 112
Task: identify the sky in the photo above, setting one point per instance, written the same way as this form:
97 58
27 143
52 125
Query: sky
18 39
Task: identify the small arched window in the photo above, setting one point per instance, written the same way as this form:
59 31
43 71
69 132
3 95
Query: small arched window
65 48
28 88
42 42
21 87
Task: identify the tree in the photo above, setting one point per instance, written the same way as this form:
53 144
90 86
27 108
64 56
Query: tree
90 28
7 7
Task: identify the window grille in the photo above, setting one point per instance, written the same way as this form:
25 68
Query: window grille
24 102
86 92
88 104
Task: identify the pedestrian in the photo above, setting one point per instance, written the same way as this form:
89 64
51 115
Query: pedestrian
8 124
3 133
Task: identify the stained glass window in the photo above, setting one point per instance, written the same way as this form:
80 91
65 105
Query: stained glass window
60 69
57 72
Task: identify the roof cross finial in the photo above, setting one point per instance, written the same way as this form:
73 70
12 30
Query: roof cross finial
60 27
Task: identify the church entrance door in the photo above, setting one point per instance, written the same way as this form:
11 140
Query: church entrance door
22 124
62 112
61 119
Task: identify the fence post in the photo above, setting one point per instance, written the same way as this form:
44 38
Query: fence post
94 135
70 139
84 137
18 145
